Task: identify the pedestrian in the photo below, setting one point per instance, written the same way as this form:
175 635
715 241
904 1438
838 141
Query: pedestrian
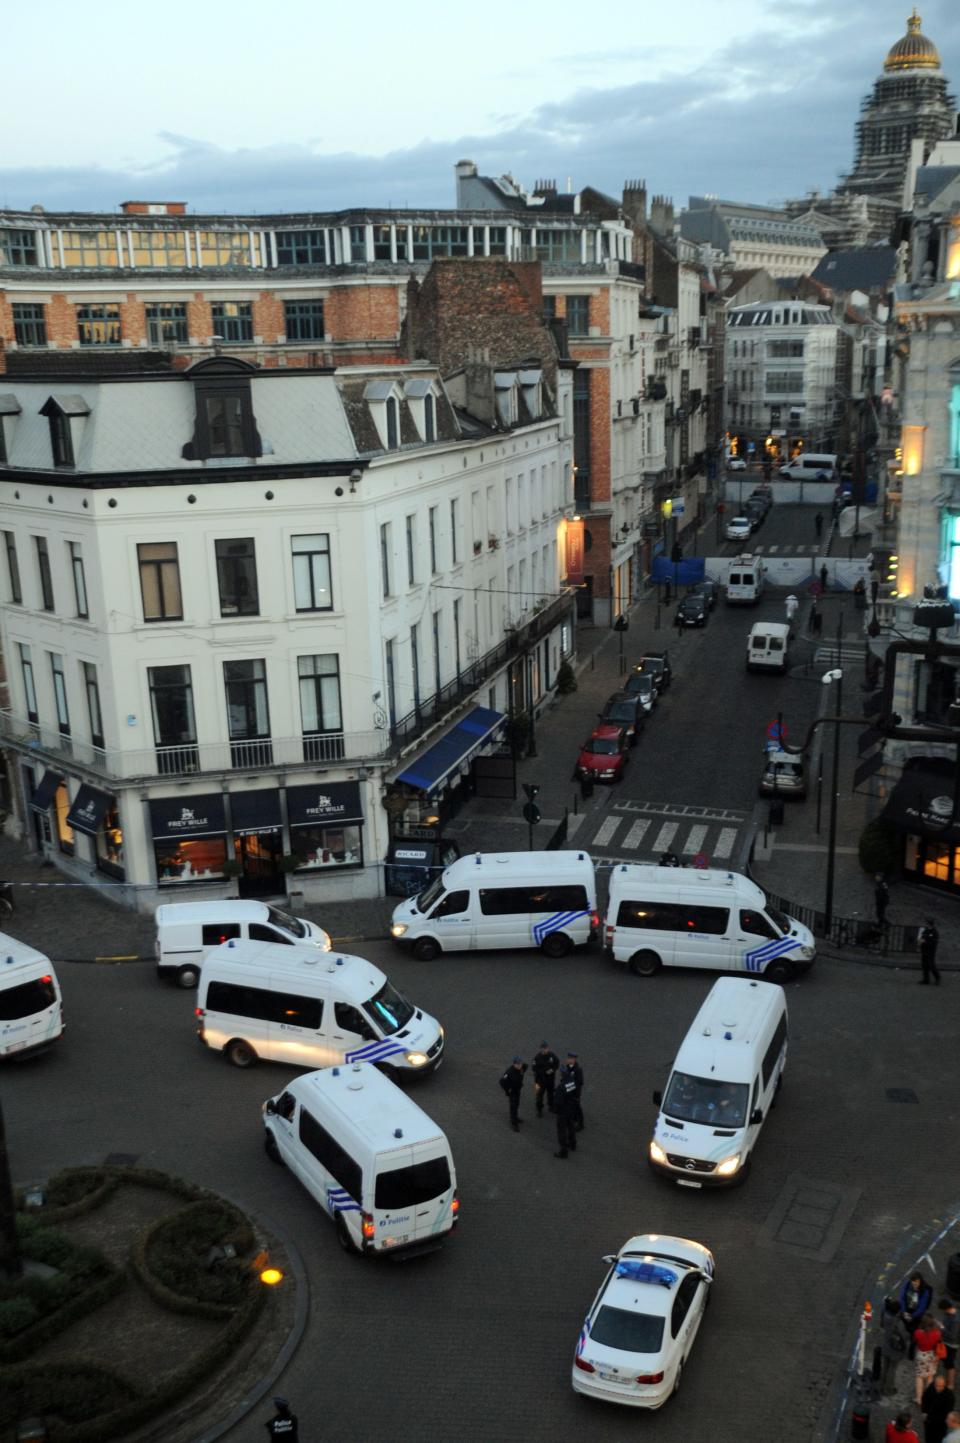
512 1084
916 1296
860 594
566 1109
936 1406
953 1423
881 898
815 590
284 1423
899 1429
545 1067
818 525
574 1067
926 1337
927 938
950 1332
893 1345
824 577
790 606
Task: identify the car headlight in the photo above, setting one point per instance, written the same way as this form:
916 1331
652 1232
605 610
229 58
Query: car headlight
398 929
417 1059
808 953
657 1153
729 1166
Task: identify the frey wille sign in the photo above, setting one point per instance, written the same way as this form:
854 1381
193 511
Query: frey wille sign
316 805
201 816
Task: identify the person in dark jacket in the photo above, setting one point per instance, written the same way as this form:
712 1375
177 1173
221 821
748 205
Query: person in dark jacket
566 1107
284 1423
512 1084
915 1298
936 1403
573 1066
928 938
881 898
546 1064
824 577
893 1346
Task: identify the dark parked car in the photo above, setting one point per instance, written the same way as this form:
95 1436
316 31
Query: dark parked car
624 709
657 664
640 683
603 755
763 494
755 511
693 611
709 590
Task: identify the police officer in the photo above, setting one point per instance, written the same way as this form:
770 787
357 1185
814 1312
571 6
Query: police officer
566 1107
928 938
576 1072
512 1084
284 1423
545 1066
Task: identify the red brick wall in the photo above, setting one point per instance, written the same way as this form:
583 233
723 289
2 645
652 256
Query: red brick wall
360 313
133 321
269 322
61 322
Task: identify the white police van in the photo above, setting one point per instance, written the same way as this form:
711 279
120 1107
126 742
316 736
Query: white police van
187 931
722 1085
310 1009
745 580
377 1164
31 1011
502 899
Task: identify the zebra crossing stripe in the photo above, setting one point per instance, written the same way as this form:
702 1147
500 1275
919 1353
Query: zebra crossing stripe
635 835
606 831
725 841
665 836
694 842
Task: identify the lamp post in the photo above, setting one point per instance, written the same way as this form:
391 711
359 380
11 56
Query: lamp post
836 675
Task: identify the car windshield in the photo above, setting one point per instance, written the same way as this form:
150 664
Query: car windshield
707 1100
410 1187
692 603
640 684
602 746
778 918
653 664
620 710
430 894
389 1009
627 1331
293 925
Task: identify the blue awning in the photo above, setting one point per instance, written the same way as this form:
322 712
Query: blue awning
451 751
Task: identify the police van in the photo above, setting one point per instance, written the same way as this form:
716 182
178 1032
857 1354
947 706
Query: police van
186 932
373 1160
722 1085
502 899
745 578
31 1010
310 1009
683 917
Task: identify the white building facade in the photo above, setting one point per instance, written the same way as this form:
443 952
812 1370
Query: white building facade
781 372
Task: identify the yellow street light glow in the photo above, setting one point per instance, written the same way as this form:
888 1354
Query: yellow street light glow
271 1276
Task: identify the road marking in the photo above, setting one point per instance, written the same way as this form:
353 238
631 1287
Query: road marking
694 842
691 814
665 836
725 841
606 832
574 822
635 835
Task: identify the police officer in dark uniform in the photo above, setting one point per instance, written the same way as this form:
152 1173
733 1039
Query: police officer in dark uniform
576 1071
284 1423
546 1064
512 1084
566 1107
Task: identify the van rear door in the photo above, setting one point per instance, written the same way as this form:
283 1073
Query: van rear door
29 1014
413 1194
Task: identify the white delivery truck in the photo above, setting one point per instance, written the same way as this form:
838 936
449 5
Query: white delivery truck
186 932
502 899
768 646
31 1011
310 1009
372 1159
722 1085
745 578
683 917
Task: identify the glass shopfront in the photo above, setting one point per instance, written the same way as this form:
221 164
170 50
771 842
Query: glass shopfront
326 826
64 831
95 814
258 841
189 838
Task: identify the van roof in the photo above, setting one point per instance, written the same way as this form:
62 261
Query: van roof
724 886
354 977
232 909
769 628
542 865
723 1035
16 957
369 1105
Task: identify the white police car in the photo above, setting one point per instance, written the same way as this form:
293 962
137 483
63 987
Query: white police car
643 1321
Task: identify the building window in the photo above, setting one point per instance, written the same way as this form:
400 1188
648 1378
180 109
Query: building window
320 713
304 320
411 528
578 315
29 688
91 249
248 716
381 243
18 247
301 248
167 325
98 325
79 580
581 437
358 242
415 663
160 581
436 652
321 847
227 248
109 842
237 577
174 725
159 248
393 428
43 568
454 531
439 240
498 240
432 514
429 417
311 573
61 440
225 424
391 683
61 811
558 245
13 567
233 320
457 607
385 559
94 713
60 694
29 325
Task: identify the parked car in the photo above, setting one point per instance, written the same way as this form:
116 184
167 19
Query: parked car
709 590
736 463
739 528
693 611
640 683
603 755
755 512
784 775
657 665
763 494
644 1320
624 709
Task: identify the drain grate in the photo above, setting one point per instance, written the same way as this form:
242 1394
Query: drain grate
901 1094
121 1159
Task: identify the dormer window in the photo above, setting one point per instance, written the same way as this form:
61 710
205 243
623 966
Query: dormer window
421 397
531 385
508 406
383 398
9 407
225 425
61 412
393 424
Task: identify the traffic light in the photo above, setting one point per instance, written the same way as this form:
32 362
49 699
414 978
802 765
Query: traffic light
893 563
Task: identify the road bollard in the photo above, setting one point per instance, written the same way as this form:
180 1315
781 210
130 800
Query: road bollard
860 1421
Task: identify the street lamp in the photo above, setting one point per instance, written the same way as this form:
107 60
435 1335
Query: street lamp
836 675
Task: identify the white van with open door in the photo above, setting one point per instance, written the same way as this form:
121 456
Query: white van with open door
187 931
31 1011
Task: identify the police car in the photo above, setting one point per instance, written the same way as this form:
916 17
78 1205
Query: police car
641 1327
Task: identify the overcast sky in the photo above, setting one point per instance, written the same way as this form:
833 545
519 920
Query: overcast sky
237 105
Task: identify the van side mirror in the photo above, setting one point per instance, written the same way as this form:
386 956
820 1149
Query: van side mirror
756 1116
657 1098
609 1258
270 1106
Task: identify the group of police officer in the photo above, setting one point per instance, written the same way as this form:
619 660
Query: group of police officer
556 1085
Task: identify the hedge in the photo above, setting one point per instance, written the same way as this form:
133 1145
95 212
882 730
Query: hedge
35 1309
170 1259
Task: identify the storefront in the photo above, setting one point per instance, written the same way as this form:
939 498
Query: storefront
189 838
326 826
257 829
95 814
921 806
41 796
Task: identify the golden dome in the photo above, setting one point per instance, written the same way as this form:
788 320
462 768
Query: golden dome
914 51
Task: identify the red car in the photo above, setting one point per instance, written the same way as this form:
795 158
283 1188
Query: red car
603 755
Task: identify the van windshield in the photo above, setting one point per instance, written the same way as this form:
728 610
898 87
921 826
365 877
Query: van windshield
389 1009
430 894
780 919
706 1100
408 1187
290 924
27 999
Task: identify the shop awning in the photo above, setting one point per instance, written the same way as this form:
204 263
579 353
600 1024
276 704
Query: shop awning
255 811
180 818
46 791
324 805
922 803
88 810
437 763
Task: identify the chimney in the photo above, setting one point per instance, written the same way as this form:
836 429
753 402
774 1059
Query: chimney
635 201
465 171
661 215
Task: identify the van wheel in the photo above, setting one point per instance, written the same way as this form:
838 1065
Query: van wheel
270 1147
425 949
188 977
555 944
744 1172
240 1053
645 964
343 1236
779 971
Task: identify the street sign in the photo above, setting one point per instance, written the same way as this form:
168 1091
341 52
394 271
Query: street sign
751 445
679 506
702 861
622 622
721 507
531 813
777 730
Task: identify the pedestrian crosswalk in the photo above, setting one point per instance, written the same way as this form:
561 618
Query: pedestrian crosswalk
851 652
643 831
